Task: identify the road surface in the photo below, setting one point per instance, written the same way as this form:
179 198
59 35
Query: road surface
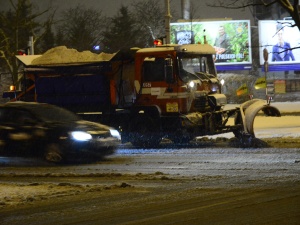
209 185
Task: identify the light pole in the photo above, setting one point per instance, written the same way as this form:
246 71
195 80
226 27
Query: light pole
269 86
30 45
266 66
167 21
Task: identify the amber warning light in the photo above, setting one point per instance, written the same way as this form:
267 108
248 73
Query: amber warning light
157 42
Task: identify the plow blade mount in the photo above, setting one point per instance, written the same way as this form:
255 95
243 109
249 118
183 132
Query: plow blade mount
250 109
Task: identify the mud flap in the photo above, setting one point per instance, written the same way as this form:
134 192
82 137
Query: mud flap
249 111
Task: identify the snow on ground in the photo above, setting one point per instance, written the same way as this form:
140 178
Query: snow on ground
15 193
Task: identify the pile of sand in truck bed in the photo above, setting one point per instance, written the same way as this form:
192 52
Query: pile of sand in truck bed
64 55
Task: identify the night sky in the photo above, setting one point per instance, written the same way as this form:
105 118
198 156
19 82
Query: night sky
111 7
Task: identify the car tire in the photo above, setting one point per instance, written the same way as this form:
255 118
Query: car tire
53 153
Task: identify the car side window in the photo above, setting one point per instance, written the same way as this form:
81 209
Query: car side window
5 116
24 117
1 115
16 116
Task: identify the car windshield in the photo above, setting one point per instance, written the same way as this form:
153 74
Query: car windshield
54 114
198 67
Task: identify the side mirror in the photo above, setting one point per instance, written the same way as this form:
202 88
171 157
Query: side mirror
169 71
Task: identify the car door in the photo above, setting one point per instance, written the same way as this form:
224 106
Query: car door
17 131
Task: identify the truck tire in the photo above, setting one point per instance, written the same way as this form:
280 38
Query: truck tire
181 137
144 132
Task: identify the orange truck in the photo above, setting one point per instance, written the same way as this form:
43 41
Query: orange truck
170 91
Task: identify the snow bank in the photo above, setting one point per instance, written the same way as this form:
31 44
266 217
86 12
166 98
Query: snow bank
283 107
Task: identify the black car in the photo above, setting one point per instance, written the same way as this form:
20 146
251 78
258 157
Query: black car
56 134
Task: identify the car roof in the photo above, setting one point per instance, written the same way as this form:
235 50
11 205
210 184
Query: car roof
33 106
43 110
26 105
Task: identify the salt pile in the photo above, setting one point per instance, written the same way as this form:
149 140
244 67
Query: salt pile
64 55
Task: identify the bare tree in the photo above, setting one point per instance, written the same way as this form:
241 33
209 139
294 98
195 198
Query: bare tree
149 17
16 25
122 32
81 28
291 6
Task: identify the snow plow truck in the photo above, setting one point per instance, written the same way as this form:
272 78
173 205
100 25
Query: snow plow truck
170 91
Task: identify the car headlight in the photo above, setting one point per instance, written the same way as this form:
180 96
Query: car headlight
81 136
115 134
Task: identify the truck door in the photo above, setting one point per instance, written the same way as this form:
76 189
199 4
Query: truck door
154 70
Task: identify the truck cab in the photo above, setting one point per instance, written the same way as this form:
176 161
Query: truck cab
174 77
174 84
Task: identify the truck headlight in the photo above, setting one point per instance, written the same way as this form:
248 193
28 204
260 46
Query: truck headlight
81 136
214 88
192 84
115 134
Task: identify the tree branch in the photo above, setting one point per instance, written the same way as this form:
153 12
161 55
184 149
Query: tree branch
237 4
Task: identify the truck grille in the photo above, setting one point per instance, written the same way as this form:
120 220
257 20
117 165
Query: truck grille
200 103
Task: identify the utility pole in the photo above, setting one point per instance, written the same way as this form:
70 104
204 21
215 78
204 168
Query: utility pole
167 21
30 46
186 9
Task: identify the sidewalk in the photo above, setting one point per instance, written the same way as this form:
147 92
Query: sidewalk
283 107
287 107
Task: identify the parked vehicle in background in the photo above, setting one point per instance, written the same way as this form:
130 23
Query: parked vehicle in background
53 133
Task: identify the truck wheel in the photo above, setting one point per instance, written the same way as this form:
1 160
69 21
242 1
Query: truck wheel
53 153
144 133
181 138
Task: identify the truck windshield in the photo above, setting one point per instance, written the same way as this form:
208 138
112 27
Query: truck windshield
200 67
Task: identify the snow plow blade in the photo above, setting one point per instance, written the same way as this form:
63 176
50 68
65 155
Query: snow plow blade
250 109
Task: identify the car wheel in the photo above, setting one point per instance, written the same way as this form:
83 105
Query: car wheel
181 137
53 153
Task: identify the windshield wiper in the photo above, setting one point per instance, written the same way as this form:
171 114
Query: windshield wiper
206 75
